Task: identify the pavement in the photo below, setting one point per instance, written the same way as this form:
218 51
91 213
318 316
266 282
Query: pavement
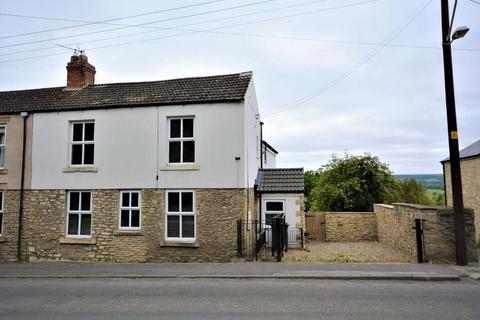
240 270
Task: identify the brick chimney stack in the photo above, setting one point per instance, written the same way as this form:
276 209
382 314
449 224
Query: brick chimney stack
80 73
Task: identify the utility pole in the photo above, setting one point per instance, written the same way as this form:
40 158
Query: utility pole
456 178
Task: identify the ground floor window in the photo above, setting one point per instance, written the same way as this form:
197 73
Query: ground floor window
79 217
180 215
1 212
130 210
272 209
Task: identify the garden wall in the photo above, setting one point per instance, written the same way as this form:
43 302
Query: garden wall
395 228
350 226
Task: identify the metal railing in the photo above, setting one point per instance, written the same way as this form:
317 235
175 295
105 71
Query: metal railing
252 237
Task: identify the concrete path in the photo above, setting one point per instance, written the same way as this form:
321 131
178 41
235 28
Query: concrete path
347 271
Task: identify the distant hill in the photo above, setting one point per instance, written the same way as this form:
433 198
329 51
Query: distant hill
429 181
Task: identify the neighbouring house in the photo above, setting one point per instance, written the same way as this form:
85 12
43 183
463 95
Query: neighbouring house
470 170
143 171
269 155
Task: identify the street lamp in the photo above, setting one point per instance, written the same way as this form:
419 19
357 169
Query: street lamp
460 32
457 193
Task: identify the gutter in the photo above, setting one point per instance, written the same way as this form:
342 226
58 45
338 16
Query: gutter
24 115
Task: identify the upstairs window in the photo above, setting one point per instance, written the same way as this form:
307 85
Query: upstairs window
181 144
82 143
180 222
130 210
79 220
3 132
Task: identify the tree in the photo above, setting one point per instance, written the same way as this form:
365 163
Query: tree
411 191
353 183
310 178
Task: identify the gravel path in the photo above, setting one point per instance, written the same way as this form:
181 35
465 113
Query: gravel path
360 252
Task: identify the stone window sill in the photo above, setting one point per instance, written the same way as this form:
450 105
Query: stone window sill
128 233
80 169
2 239
180 167
173 243
3 171
65 240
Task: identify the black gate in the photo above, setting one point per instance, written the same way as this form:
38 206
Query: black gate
420 242
252 237
279 236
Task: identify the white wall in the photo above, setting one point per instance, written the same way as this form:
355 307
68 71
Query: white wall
290 206
252 135
127 144
270 159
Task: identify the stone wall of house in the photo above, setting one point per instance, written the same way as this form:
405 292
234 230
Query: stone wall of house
301 224
350 226
395 228
470 169
217 211
9 236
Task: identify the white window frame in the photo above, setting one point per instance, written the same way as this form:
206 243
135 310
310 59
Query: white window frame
1 211
180 139
80 212
83 143
181 214
270 211
130 208
4 146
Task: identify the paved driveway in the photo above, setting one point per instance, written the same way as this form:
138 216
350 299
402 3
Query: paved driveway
371 252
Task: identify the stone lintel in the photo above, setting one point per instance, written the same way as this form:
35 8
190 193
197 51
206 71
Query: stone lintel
80 169
180 167
65 240
128 233
173 243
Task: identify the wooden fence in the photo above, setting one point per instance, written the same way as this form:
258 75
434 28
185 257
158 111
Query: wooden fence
315 226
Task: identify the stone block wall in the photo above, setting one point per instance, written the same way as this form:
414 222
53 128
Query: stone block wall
394 225
350 226
439 236
217 211
9 237
470 169
395 228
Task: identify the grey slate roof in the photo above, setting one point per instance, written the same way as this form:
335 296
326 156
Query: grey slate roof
470 151
280 180
221 88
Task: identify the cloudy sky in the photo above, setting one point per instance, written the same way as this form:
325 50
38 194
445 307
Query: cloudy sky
332 76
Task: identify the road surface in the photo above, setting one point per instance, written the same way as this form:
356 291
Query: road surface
236 299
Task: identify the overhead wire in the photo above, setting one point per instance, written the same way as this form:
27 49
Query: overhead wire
136 25
410 18
199 31
89 23
157 28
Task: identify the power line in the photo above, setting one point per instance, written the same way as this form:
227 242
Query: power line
199 31
477 2
138 25
253 35
157 29
410 18
88 23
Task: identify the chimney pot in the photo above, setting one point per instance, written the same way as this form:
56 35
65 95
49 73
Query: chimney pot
80 73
